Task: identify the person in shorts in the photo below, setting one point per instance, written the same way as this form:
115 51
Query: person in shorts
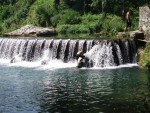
128 21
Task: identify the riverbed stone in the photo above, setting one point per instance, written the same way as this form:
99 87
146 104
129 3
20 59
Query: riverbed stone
31 30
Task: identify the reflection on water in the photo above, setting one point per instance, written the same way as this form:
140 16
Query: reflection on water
124 90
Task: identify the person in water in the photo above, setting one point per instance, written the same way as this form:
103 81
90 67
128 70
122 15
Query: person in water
128 21
80 56
82 60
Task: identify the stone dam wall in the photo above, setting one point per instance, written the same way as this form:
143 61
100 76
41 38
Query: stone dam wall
144 20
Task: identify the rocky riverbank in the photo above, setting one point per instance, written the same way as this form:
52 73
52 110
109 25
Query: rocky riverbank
30 30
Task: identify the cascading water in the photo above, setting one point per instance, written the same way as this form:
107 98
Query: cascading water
100 53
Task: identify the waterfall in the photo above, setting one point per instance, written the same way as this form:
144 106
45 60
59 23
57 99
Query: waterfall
102 53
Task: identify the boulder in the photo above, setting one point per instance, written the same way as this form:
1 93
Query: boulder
30 30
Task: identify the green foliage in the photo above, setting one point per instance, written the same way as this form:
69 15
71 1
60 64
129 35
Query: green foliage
13 14
92 22
91 18
144 59
88 24
4 12
135 23
66 17
0 28
113 24
41 12
74 29
147 55
76 16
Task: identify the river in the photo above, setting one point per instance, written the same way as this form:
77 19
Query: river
72 90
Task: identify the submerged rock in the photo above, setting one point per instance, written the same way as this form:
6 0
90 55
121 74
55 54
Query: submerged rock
30 30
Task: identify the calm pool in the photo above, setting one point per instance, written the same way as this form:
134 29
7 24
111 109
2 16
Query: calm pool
71 90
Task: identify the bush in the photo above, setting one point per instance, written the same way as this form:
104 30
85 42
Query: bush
73 29
85 24
67 16
12 16
93 22
113 24
91 18
147 55
63 16
63 29
41 12
144 56
83 29
94 27
4 12
135 23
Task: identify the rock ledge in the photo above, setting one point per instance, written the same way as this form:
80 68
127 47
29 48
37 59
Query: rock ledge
30 30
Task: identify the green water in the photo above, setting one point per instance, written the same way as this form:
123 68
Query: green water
71 90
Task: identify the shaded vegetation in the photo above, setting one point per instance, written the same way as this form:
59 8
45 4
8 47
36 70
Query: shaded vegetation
69 16
144 59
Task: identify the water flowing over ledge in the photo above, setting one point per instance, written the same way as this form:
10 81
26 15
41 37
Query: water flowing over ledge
62 53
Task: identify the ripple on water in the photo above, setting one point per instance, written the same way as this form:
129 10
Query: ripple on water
71 90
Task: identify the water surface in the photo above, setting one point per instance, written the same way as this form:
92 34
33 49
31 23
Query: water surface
72 90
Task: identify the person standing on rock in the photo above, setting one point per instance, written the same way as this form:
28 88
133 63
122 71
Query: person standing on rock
128 21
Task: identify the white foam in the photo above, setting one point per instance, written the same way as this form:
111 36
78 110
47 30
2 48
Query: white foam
4 61
55 64
115 67
25 64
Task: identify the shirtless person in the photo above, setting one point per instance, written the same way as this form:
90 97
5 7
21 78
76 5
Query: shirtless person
82 59
80 56
128 21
